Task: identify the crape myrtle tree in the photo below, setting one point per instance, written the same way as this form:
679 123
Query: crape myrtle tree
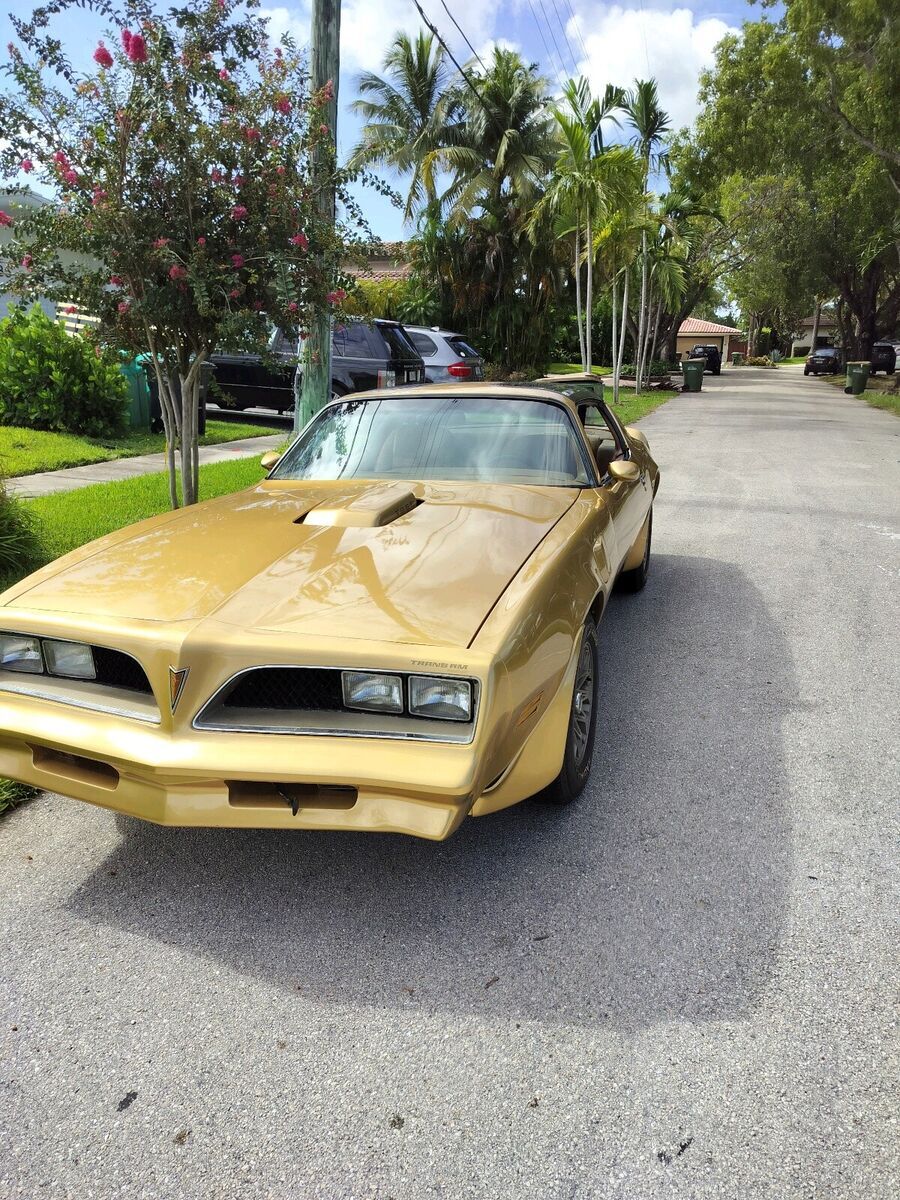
187 218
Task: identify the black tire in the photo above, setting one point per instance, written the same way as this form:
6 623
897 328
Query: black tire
806 370
717 371
579 752
634 580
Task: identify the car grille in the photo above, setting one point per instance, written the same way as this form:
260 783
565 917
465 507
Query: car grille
119 670
313 689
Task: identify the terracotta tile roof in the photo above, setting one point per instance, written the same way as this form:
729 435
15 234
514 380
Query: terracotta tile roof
386 260
695 325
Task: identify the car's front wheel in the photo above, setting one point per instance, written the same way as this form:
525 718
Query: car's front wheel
806 370
579 751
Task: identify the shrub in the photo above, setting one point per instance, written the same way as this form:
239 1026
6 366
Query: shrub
760 361
50 380
19 546
656 370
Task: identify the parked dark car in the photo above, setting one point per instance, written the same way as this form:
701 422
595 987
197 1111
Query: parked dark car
448 356
713 356
883 358
827 360
376 354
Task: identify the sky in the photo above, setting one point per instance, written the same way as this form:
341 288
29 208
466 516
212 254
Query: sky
608 43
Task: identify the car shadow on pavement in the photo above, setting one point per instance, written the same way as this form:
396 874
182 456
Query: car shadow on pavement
660 895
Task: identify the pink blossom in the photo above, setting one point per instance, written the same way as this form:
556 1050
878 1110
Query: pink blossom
223 74
201 241
99 196
216 175
336 296
237 261
5 219
323 129
220 4
70 308
116 280
27 260
61 158
177 271
279 170
301 240
234 293
123 306
160 243
70 177
134 46
238 181
102 56
283 105
26 165
292 307
238 212
251 134
328 90
278 52
257 305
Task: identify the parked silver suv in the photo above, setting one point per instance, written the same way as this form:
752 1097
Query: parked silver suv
448 356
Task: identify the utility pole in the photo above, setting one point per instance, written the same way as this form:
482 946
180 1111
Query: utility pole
325 65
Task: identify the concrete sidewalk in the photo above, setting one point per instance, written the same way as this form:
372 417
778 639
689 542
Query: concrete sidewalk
46 483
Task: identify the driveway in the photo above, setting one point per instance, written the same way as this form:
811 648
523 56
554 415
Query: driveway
679 987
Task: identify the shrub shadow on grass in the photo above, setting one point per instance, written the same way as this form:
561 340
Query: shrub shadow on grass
659 896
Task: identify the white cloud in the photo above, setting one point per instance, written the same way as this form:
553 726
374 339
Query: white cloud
368 27
670 45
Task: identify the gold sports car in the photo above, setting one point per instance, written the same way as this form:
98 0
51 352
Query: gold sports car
394 630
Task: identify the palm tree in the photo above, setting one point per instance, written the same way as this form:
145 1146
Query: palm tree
617 245
409 114
651 124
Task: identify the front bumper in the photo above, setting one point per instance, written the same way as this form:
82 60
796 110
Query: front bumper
203 778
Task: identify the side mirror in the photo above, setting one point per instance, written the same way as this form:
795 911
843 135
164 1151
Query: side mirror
269 460
623 470
637 435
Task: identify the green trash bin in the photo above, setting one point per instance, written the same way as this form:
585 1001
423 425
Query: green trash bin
857 378
138 394
692 369
736 358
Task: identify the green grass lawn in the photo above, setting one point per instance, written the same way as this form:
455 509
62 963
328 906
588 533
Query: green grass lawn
794 361
876 393
26 451
13 793
561 368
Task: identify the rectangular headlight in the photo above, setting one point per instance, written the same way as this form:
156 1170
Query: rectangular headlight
74 660
448 699
20 653
375 693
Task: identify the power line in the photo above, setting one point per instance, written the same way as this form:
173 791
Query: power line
550 30
565 36
543 39
577 24
462 35
436 32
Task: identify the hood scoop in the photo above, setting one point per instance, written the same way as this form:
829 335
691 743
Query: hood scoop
377 506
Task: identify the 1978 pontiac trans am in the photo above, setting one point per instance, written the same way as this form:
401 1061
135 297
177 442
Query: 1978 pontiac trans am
394 630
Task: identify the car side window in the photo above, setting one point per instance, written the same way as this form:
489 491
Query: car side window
282 344
425 345
603 434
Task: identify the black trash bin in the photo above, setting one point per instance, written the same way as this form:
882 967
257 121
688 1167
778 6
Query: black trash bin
156 421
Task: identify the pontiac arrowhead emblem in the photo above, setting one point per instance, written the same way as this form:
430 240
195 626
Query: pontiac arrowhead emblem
177 680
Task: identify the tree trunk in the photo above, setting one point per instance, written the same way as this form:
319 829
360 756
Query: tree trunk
815 326
589 298
615 342
621 335
578 296
641 314
652 355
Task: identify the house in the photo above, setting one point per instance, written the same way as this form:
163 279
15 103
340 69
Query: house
12 203
385 260
708 333
802 341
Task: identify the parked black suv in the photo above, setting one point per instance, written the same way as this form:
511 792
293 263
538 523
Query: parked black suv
884 358
713 356
827 360
363 355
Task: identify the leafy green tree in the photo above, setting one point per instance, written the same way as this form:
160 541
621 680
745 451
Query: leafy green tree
411 112
187 211
765 115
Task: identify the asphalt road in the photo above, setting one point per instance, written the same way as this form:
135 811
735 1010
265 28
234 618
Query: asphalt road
680 987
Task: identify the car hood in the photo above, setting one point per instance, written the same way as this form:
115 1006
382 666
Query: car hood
401 562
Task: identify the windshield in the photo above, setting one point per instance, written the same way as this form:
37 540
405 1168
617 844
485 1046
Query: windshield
489 439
